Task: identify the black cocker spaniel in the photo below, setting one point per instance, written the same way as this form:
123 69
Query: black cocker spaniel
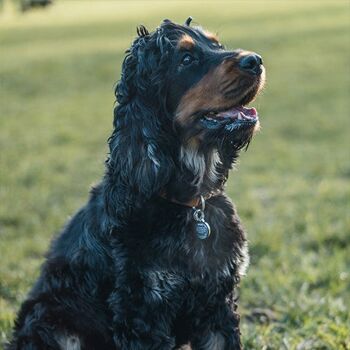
152 260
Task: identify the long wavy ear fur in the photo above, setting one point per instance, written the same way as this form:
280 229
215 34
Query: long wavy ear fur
142 31
138 167
188 21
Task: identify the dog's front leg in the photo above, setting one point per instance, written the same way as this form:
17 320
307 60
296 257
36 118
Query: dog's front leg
216 341
218 329
38 328
141 317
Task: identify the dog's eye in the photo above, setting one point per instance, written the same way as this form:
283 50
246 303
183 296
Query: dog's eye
187 60
219 46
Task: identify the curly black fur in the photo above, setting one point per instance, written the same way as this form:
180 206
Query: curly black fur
128 272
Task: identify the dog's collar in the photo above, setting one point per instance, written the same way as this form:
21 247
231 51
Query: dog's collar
202 227
193 203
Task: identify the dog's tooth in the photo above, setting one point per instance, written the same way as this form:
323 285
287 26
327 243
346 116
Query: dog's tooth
239 116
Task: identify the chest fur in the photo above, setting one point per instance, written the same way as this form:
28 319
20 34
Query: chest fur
164 238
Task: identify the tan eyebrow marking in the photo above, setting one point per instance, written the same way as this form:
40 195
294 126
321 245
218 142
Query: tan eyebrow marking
211 36
186 42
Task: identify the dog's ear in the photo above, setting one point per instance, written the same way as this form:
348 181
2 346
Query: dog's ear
141 74
139 165
126 88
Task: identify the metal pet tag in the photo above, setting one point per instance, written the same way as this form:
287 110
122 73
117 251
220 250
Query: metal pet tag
202 227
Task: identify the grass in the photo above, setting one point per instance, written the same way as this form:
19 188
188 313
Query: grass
57 70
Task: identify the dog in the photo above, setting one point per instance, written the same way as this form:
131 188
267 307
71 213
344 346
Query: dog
153 259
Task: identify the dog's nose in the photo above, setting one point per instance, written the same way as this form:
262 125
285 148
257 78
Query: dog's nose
251 63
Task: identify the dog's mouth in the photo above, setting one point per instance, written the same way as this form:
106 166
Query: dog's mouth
232 118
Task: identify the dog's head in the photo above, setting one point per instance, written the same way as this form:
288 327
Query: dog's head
182 108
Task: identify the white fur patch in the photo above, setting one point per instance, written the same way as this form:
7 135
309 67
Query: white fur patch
244 262
214 161
68 341
218 342
214 341
196 162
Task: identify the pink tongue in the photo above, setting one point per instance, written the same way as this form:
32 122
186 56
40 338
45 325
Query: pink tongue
234 112
251 112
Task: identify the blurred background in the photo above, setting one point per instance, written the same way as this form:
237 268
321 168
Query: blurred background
58 66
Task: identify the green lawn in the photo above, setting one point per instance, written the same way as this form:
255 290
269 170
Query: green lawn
57 71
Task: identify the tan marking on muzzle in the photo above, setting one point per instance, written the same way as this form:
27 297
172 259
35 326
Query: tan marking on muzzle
207 93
